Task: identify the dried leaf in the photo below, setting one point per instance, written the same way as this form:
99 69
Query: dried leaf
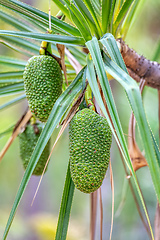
137 158
18 127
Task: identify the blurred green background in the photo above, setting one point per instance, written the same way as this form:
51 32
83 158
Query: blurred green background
39 221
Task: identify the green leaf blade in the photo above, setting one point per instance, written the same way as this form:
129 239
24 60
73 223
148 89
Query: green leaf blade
65 208
79 20
12 102
12 89
106 7
122 13
67 40
94 49
87 15
60 107
12 62
40 17
135 101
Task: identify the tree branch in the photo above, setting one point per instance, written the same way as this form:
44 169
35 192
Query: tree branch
139 67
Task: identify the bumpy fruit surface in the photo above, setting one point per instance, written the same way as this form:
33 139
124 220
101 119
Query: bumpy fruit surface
43 85
27 142
90 142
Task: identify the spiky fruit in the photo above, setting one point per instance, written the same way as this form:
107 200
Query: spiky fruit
27 142
42 84
90 142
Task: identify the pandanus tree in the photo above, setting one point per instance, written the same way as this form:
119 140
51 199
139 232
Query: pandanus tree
90 50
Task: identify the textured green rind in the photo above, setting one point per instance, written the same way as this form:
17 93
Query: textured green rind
90 141
27 143
42 84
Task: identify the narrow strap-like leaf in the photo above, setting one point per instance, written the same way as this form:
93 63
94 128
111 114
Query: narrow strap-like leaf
15 75
111 16
106 8
86 13
123 11
6 131
67 40
135 101
94 12
62 8
65 208
21 45
12 62
79 20
94 49
12 89
12 102
60 107
14 22
130 17
110 47
156 148
96 6
40 17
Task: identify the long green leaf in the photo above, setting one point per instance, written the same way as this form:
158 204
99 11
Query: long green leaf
67 40
62 8
95 12
118 133
79 20
12 62
137 107
14 22
111 16
65 208
61 106
21 45
95 29
156 148
15 76
96 55
6 131
12 89
122 13
40 17
106 8
135 101
110 47
131 17
12 102
96 5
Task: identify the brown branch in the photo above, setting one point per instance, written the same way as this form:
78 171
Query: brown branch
140 67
